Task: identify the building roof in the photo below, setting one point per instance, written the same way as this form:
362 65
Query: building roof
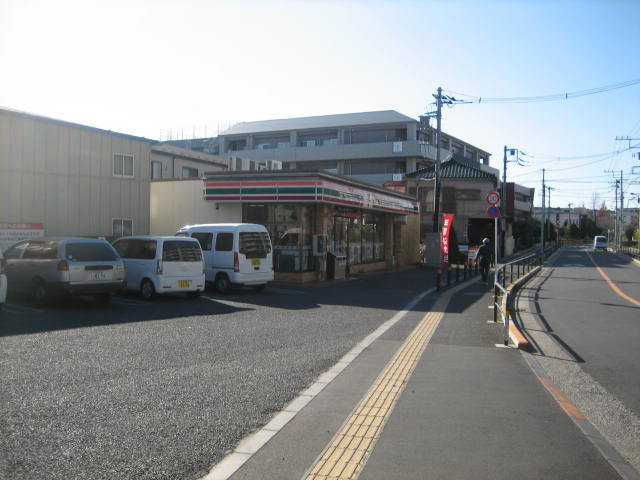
172 150
71 124
457 167
323 121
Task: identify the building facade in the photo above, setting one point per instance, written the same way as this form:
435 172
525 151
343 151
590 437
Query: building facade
374 147
373 228
75 180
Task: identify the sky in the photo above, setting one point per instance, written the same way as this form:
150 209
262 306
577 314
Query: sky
184 68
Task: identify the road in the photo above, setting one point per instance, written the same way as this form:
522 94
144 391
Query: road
582 314
166 389
163 390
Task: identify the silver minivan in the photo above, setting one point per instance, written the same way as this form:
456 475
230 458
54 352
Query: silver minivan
158 265
45 268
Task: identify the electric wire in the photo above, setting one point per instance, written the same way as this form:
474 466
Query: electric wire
546 98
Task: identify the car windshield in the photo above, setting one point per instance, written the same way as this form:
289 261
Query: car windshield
181 251
90 252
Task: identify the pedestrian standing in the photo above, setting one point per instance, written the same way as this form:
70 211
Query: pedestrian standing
484 257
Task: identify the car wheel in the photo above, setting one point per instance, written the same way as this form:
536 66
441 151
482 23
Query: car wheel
259 288
222 283
195 294
104 298
147 290
40 293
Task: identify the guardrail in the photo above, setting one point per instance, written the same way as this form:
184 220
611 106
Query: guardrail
630 251
506 276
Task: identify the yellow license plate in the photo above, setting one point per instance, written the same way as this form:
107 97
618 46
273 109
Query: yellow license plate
183 283
255 262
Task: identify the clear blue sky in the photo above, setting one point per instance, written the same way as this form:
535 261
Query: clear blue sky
190 66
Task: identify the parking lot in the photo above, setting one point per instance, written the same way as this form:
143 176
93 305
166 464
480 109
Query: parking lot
163 389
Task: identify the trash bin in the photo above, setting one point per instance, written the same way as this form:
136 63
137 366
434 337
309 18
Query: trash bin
336 265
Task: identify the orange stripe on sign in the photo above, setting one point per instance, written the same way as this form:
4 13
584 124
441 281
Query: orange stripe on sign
568 407
613 286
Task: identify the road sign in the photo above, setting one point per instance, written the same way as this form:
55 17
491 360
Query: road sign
493 212
493 198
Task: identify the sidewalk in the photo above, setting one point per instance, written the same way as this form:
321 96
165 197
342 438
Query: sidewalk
464 409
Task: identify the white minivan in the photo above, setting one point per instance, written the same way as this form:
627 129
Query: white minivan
600 242
157 265
234 253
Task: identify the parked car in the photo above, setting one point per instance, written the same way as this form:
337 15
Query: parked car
600 243
3 282
158 265
45 268
234 253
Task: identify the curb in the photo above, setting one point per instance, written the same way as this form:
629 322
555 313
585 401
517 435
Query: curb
515 335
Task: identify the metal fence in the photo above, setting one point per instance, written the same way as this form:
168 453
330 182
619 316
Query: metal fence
506 276
632 252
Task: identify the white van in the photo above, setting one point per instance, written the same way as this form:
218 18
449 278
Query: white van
157 265
234 253
600 242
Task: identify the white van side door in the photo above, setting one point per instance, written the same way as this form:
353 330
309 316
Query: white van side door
206 244
224 247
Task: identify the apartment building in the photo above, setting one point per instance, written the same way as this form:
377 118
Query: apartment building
374 147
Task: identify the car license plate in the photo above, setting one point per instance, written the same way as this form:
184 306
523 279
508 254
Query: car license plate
183 283
98 275
255 262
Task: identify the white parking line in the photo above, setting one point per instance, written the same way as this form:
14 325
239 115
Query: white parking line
12 308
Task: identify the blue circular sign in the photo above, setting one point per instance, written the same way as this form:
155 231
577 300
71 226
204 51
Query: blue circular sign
493 212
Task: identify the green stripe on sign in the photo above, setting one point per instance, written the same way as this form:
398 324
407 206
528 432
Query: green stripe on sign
259 190
302 190
222 191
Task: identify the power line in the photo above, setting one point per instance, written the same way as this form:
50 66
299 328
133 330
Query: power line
549 98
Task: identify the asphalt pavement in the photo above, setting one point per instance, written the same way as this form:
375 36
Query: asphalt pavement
464 407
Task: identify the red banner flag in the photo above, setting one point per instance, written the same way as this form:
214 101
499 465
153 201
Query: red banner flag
447 223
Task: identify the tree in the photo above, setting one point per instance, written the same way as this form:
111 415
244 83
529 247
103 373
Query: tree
628 232
526 231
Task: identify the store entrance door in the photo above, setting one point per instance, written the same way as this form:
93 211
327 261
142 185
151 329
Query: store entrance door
341 235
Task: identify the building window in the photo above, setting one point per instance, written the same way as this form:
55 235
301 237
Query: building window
156 170
188 172
121 227
122 165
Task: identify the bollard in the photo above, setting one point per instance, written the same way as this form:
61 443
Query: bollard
439 280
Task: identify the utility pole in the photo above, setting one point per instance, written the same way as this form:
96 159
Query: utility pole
549 210
621 210
542 222
436 199
503 203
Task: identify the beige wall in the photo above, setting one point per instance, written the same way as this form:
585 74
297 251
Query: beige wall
61 174
172 164
181 202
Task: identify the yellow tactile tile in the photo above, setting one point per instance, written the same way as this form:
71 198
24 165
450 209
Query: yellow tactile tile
345 456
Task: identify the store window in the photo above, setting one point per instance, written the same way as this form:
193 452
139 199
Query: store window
290 227
359 236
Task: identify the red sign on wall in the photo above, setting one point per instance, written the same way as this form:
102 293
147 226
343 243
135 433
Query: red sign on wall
447 223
